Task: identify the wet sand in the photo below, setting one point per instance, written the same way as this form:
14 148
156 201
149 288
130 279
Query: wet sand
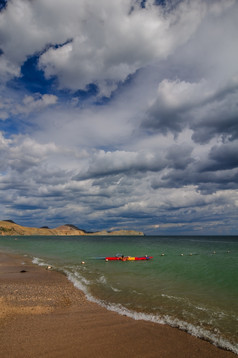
43 315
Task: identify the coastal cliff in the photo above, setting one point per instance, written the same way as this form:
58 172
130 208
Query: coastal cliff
9 228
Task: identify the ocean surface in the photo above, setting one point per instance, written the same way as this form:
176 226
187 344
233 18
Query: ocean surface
191 282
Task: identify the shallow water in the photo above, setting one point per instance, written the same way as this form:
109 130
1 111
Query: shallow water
191 283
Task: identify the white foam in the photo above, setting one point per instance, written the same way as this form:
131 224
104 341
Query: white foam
173 297
39 262
81 278
137 293
102 279
115 289
199 308
173 322
81 283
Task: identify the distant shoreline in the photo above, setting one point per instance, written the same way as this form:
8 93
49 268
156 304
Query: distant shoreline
10 228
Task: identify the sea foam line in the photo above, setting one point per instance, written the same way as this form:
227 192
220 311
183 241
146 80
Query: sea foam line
198 332
173 322
39 262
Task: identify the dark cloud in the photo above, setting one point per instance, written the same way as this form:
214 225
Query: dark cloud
211 126
209 179
164 120
121 162
179 157
223 157
208 116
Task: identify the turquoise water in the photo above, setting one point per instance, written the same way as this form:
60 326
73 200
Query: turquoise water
191 283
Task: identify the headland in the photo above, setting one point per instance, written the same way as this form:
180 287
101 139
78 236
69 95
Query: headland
10 228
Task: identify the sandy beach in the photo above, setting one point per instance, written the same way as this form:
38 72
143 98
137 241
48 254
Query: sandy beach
43 315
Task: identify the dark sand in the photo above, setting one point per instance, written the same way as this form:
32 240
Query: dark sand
43 315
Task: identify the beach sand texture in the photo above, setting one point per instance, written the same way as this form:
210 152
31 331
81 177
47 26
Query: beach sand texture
43 315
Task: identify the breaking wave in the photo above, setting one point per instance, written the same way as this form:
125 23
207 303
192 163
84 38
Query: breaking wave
81 283
196 331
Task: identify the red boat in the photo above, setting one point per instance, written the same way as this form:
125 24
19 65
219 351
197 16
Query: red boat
128 258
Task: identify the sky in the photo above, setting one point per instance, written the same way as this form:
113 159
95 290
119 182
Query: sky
120 114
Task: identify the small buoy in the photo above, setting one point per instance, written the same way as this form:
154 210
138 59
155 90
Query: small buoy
190 254
181 254
82 262
162 254
214 252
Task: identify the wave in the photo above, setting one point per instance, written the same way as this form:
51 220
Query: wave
173 322
82 284
40 262
196 331
102 279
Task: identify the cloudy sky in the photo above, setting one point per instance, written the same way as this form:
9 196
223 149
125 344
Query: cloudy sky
120 114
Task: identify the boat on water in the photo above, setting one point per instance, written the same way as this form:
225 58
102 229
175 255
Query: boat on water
128 258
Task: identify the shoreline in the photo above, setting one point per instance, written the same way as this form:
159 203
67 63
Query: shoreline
44 315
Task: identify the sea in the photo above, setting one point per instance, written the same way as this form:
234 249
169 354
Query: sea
191 283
